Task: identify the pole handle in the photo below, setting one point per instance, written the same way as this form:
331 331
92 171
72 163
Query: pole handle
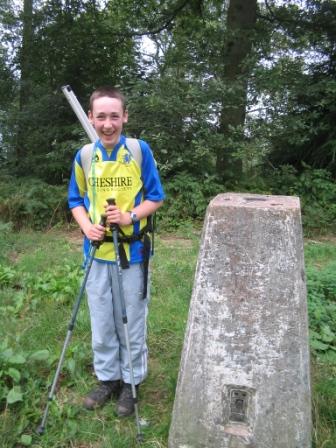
102 222
112 201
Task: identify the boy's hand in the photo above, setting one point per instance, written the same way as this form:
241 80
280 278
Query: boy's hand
94 232
115 216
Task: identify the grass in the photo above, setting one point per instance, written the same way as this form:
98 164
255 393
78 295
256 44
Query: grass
44 269
320 258
39 280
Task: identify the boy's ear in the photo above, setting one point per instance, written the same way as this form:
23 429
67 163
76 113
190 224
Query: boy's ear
90 116
125 116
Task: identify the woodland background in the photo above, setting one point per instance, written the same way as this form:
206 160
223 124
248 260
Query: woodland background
231 96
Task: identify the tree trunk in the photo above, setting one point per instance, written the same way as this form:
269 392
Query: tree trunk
241 22
25 80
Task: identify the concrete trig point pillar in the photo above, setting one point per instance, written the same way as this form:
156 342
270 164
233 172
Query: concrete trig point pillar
244 376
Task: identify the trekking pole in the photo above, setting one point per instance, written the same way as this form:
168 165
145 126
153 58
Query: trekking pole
81 115
94 246
114 229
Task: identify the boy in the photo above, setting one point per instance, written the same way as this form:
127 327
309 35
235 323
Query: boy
115 173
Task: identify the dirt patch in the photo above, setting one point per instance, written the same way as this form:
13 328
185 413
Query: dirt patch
174 241
14 257
75 237
328 239
85 445
70 233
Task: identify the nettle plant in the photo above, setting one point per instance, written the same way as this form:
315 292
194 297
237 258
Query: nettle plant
21 293
321 285
14 371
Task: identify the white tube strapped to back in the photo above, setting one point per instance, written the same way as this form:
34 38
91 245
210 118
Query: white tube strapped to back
81 115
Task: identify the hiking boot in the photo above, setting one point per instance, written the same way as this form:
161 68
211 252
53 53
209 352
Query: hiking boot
99 396
125 405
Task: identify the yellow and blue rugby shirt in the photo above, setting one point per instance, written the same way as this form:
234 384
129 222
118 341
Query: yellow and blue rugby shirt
116 175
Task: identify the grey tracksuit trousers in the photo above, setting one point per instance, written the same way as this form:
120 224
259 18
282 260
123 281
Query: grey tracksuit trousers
108 333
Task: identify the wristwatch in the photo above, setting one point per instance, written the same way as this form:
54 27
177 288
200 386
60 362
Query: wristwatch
134 217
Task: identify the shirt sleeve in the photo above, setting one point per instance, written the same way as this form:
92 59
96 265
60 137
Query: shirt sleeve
77 185
153 190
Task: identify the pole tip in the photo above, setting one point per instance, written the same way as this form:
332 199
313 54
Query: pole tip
140 438
40 430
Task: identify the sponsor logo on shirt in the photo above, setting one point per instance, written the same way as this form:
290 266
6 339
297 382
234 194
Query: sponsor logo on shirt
119 183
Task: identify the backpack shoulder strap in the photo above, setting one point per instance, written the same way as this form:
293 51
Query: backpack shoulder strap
133 145
86 158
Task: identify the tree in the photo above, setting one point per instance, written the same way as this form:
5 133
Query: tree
298 85
239 36
26 68
203 59
191 98
74 42
8 84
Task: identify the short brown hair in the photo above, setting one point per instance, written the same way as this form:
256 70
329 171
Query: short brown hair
109 91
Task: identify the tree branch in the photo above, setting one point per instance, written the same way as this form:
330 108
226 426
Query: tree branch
167 22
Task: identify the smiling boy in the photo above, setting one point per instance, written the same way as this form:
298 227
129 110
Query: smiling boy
136 187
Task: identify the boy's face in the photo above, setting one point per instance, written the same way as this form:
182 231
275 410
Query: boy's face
108 117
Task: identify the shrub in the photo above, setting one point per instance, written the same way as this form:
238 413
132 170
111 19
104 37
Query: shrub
321 285
317 192
30 202
187 197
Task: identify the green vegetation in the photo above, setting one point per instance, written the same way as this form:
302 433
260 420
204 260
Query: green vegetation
321 285
234 96
39 279
225 89
30 202
37 205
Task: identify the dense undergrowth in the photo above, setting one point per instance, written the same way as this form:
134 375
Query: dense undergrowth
30 202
